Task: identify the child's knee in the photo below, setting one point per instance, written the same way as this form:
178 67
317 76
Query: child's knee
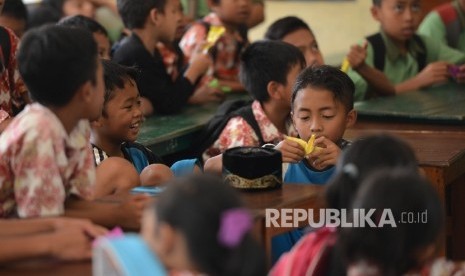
155 174
116 175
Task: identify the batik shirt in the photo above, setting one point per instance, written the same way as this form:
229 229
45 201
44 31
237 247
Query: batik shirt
41 164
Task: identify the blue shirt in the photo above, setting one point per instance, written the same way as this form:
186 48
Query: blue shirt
303 174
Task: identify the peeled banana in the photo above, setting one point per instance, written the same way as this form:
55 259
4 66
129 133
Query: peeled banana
309 146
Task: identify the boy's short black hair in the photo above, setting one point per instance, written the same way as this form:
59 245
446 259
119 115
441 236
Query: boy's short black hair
116 76
81 21
135 12
15 9
266 61
55 61
284 26
328 78
377 2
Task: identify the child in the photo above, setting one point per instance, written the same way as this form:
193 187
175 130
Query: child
151 22
356 163
397 60
13 92
115 132
46 154
295 31
199 225
226 51
446 24
406 246
268 71
60 238
97 30
14 16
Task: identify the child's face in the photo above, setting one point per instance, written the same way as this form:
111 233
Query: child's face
82 7
317 112
306 42
169 20
103 45
234 12
398 18
97 93
123 114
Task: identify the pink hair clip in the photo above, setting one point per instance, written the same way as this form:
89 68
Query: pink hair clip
234 224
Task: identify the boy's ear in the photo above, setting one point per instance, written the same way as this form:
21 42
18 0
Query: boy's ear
154 16
351 118
375 12
85 92
274 90
167 239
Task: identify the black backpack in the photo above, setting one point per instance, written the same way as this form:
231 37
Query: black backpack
379 50
212 130
5 45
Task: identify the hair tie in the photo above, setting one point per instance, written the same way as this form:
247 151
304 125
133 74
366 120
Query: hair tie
351 170
234 224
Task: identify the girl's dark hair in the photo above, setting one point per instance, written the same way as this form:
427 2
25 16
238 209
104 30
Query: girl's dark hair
284 26
194 207
394 249
328 78
362 158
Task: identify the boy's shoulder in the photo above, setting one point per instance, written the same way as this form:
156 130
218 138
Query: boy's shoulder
129 49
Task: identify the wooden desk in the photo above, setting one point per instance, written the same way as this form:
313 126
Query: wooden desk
290 196
441 104
441 154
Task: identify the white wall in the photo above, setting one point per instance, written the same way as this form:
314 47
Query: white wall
336 24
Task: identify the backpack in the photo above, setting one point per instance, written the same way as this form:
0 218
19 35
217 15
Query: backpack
227 110
379 50
451 21
5 45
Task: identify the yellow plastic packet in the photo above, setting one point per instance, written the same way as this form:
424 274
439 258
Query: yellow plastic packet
309 146
345 65
213 35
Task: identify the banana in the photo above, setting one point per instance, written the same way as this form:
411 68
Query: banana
309 146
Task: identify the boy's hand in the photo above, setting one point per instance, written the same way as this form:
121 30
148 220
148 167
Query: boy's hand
357 55
326 156
92 230
131 209
291 151
198 66
205 94
433 73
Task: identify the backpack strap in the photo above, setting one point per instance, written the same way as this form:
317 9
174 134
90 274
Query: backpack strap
5 45
379 50
450 18
421 56
246 112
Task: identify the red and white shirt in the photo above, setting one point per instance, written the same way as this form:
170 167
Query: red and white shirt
41 164
238 132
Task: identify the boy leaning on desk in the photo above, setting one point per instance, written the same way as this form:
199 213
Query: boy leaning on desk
397 60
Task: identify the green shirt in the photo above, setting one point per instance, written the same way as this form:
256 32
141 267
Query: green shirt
400 67
433 26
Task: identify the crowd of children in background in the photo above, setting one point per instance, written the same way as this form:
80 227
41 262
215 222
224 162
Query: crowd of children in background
72 105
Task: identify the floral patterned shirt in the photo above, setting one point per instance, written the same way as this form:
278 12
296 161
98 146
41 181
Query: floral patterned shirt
226 50
11 84
238 132
41 165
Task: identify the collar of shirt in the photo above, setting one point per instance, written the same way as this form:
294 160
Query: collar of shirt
392 51
77 139
269 131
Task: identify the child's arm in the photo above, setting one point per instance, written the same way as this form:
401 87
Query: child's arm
126 213
214 165
433 73
327 155
291 151
375 78
67 239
